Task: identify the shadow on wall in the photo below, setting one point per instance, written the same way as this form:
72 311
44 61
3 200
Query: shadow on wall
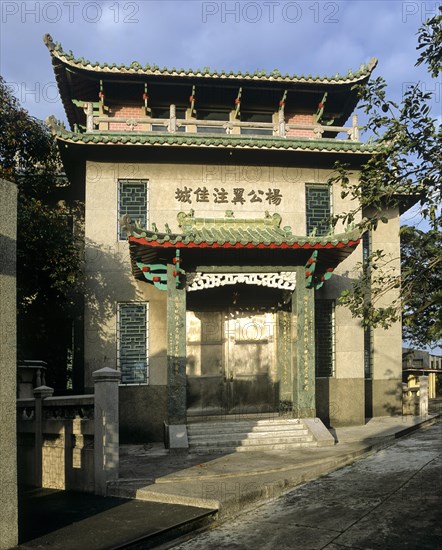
107 278
327 409
393 407
57 335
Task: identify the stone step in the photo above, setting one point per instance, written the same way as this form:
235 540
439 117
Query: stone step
251 448
225 436
229 427
239 442
237 435
240 420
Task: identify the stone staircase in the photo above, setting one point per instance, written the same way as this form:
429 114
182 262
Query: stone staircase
226 436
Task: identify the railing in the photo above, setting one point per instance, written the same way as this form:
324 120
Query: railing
70 442
415 397
279 128
30 374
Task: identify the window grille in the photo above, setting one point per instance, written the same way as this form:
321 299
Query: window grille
133 342
132 200
318 209
324 338
368 354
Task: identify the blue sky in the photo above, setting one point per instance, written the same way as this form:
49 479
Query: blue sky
296 37
303 37
299 37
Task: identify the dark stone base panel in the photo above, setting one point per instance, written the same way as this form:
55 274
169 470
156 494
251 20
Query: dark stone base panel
143 411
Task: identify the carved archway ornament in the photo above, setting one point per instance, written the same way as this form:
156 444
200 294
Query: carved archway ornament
284 280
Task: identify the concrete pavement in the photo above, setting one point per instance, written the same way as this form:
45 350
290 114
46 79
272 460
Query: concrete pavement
231 482
389 500
175 494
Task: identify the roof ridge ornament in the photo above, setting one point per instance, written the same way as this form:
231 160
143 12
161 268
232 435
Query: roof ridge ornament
188 222
275 75
49 42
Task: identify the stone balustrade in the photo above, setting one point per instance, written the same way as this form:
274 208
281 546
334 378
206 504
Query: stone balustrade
70 442
30 374
415 398
278 128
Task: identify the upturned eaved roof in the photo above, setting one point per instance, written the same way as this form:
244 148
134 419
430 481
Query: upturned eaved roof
198 234
57 52
79 79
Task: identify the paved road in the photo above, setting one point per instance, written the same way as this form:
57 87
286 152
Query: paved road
390 500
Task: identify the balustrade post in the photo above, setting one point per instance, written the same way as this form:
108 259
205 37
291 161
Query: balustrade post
190 126
355 133
40 394
318 131
231 129
423 395
106 428
89 117
172 119
281 123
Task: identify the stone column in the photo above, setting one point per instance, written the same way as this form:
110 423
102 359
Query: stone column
176 349
232 118
40 394
284 363
106 428
89 117
8 364
190 126
303 348
172 119
423 396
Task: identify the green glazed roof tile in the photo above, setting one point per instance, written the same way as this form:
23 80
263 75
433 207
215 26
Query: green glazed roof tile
135 67
257 231
202 140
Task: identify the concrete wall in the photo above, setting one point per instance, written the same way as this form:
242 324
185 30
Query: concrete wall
8 361
109 278
335 397
340 401
387 344
143 410
382 394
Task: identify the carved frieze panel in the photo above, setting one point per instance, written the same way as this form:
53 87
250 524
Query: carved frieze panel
285 280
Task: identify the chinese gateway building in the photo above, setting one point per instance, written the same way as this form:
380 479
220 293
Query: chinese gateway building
212 272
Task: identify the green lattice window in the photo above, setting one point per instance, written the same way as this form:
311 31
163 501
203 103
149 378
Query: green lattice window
132 200
324 338
133 343
368 346
366 247
368 332
318 209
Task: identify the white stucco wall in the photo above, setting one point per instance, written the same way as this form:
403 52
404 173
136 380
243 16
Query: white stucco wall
108 271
